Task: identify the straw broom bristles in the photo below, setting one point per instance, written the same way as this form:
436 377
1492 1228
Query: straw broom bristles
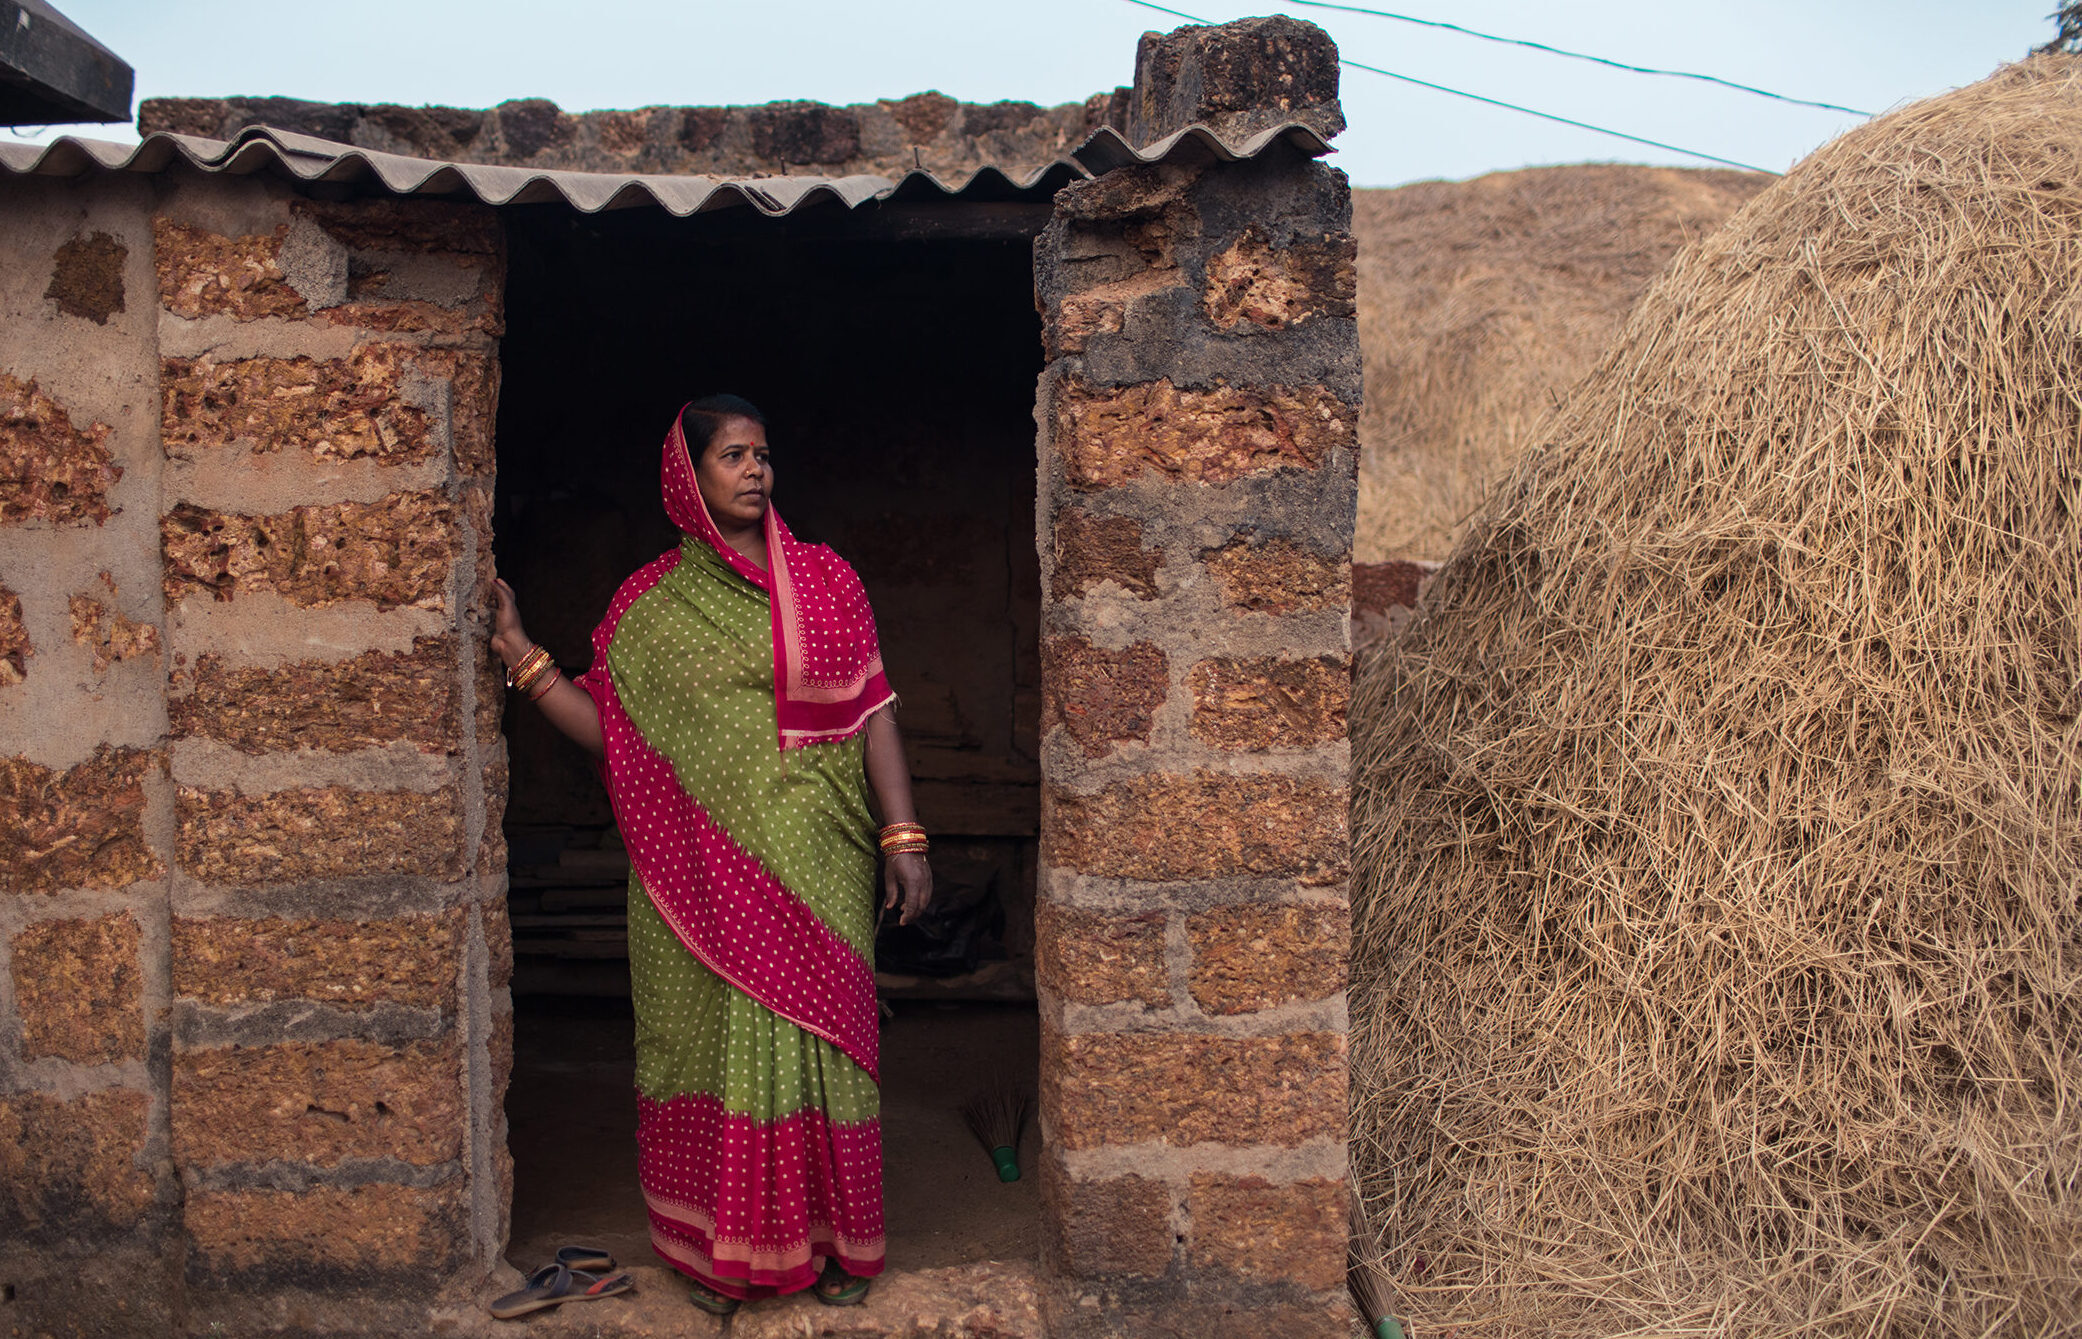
1367 1280
1718 823
998 1117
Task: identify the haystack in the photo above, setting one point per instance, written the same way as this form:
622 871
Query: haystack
1718 963
1480 303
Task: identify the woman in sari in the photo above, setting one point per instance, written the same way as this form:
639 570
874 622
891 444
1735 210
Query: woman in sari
738 706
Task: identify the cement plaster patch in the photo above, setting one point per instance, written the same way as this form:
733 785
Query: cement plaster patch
261 630
207 764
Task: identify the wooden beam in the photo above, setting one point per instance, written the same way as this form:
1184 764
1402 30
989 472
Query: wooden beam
52 72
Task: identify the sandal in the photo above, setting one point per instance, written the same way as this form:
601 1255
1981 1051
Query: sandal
835 1287
589 1258
554 1285
708 1299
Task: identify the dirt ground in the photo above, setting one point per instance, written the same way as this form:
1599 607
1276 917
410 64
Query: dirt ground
572 1114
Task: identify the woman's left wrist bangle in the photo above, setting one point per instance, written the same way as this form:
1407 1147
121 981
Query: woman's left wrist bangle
904 839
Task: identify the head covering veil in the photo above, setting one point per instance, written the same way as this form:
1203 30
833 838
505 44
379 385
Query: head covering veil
827 664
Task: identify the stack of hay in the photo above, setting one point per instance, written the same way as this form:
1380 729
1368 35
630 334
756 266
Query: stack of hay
1718 958
1480 303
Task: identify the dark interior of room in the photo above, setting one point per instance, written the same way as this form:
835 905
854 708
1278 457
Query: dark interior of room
896 365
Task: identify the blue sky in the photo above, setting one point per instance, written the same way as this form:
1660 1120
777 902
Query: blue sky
1870 54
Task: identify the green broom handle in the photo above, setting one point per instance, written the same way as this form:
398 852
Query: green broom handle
1007 1162
1388 1327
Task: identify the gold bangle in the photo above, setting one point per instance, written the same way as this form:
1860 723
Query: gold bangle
525 683
533 660
549 681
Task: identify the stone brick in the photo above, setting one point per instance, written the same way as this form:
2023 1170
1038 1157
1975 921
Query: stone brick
1293 1233
1278 577
328 1233
1253 283
491 843
473 379
1143 249
1087 957
70 1167
204 274
1112 436
1183 1088
79 990
398 551
318 1102
1200 826
419 225
1106 1225
80 828
1378 588
411 317
491 698
87 277
499 1049
332 408
293 835
373 699
230 960
801 134
106 633
1255 956
498 942
15 649
1092 549
49 469
483 603
1270 702
1235 78
1103 698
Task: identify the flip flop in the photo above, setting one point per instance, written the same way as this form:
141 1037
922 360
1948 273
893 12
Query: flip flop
851 1289
554 1285
590 1258
708 1299
546 1287
594 1287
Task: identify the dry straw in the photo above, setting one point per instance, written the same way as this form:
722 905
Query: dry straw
1718 962
1480 303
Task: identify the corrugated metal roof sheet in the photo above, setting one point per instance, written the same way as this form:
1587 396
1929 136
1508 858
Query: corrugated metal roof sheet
304 158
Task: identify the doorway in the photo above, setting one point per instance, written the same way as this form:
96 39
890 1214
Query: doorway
895 351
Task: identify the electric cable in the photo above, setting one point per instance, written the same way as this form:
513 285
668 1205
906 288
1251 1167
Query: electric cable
1580 55
1507 106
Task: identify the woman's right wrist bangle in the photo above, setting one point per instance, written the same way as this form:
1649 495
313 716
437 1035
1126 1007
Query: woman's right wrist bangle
530 670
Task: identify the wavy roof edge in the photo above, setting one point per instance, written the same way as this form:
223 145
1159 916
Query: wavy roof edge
306 158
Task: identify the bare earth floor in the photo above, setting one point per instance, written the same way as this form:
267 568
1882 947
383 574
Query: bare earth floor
572 1115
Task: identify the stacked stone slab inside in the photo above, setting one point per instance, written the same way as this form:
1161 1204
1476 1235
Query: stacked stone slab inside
254 1028
1197 487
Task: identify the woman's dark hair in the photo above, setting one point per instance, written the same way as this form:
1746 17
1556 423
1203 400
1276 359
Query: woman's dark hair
704 418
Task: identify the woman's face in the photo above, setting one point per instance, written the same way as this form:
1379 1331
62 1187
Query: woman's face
735 473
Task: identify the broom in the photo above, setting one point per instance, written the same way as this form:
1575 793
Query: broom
997 1116
1368 1282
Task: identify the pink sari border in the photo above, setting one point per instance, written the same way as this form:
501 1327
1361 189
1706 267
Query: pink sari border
824 1182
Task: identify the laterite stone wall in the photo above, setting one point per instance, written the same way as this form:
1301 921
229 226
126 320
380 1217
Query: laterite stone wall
254 1026
1197 486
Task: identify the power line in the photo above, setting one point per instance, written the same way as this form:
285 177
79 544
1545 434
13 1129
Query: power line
1498 102
1579 55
